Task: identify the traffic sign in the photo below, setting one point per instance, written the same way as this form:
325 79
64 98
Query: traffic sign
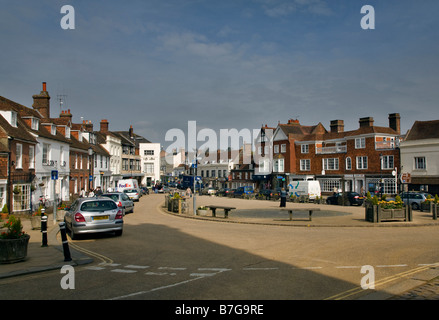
54 175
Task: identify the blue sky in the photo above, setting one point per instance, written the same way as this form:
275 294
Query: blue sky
225 64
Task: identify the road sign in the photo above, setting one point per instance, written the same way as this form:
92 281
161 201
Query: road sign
406 178
54 174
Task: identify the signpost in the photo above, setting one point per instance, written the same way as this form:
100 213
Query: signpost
54 175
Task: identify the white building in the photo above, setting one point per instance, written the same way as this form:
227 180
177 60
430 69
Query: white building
420 156
150 155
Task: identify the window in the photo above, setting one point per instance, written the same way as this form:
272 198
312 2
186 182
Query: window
362 162
348 163
213 173
330 164
360 143
278 165
276 148
305 165
19 156
21 201
387 162
46 153
35 124
53 129
283 148
304 148
420 163
31 157
148 152
149 167
13 118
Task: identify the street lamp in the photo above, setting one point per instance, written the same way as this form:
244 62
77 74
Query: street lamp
90 177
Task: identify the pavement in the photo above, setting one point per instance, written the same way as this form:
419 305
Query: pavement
40 259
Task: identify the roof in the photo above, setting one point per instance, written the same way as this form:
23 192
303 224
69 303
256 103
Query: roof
423 130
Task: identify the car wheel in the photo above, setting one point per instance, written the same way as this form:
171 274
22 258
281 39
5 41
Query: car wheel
328 201
415 206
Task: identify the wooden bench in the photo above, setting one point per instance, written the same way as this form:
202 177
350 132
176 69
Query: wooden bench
226 210
310 211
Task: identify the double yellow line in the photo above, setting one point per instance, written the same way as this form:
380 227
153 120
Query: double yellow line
357 290
101 257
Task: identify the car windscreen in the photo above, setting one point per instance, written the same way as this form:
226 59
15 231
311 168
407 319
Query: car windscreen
95 206
115 197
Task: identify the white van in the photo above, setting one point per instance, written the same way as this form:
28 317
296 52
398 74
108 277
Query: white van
127 184
305 188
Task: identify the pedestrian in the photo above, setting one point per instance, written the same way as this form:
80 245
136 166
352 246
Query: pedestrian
283 198
91 194
82 193
98 192
189 192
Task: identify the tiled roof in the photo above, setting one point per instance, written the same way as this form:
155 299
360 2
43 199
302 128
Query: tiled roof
424 130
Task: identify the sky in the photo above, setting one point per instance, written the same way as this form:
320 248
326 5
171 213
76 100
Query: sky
157 64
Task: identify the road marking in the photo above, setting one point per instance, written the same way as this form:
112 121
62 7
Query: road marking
132 266
106 264
348 267
150 273
398 276
155 289
124 271
202 274
172 268
257 269
392 266
214 269
94 268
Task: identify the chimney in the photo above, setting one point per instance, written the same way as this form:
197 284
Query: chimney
66 114
104 126
366 122
337 126
88 126
395 122
131 132
42 102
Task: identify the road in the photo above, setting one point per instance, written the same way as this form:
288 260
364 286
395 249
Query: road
165 257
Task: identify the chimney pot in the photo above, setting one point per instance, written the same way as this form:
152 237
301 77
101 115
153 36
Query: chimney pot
44 86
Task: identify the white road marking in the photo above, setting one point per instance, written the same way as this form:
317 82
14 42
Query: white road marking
257 269
172 268
392 266
202 274
124 271
131 266
94 268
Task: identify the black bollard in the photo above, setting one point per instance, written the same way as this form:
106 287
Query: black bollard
65 243
44 230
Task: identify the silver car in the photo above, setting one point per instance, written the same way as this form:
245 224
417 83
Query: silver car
414 198
133 194
122 201
91 215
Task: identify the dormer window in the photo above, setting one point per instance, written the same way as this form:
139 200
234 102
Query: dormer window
53 129
35 124
14 119
10 116
68 132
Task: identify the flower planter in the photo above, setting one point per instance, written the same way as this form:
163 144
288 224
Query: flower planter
391 214
13 250
202 212
35 222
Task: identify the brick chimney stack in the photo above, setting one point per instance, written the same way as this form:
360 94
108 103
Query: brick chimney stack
395 122
87 125
366 122
104 126
42 102
337 126
66 114
131 132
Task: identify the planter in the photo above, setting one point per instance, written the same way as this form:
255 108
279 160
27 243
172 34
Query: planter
391 214
4 216
35 222
202 212
13 250
426 206
60 215
371 213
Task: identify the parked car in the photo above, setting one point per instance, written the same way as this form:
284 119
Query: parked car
243 190
208 191
224 192
414 198
91 215
353 198
133 194
122 201
267 193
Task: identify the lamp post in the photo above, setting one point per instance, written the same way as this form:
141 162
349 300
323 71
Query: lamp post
90 177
